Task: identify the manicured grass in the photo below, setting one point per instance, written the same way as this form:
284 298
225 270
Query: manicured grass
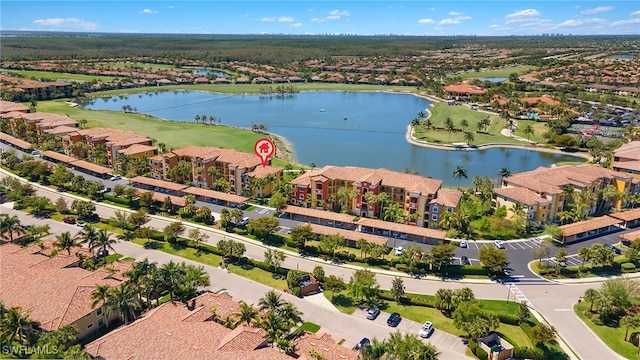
342 301
53 76
613 337
174 134
442 111
307 326
497 72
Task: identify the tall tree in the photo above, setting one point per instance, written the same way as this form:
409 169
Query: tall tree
459 173
66 242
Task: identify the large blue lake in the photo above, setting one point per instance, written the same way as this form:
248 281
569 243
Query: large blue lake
336 128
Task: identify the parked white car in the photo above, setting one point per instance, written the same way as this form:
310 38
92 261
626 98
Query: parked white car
399 250
499 244
426 330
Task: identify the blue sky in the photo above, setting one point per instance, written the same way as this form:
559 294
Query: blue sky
501 17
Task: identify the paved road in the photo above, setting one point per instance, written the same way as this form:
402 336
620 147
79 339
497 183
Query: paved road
553 301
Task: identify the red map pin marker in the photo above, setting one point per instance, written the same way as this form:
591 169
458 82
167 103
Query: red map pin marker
264 148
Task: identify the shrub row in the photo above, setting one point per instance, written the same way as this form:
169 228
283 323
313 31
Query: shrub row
477 350
116 199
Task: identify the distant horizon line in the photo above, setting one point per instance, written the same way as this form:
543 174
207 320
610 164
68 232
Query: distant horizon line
546 35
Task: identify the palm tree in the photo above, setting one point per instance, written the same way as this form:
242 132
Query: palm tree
271 302
290 314
468 137
104 241
459 173
65 242
529 131
9 224
88 235
16 325
393 212
464 124
123 299
273 325
136 275
504 172
172 274
590 296
246 313
374 351
197 118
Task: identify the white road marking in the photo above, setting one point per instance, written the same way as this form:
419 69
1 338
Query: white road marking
561 309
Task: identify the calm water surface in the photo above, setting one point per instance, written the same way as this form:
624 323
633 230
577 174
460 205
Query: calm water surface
336 128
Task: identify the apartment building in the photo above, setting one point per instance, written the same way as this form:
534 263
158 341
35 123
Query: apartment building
24 89
322 189
22 123
55 289
206 165
115 141
544 191
626 159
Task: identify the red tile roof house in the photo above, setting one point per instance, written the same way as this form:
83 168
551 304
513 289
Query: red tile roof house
178 331
463 91
54 290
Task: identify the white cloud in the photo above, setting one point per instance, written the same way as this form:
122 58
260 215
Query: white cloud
295 25
147 11
597 10
432 9
268 19
635 13
523 13
337 12
494 26
454 13
626 22
449 22
69 23
333 17
574 23
426 21
461 18
285 19
317 20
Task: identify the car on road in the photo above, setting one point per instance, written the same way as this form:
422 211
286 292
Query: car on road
69 220
373 313
499 244
426 330
80 224
35 153
115 177
399 250
465 261
394 319
463 244
245 221
361 344
613 248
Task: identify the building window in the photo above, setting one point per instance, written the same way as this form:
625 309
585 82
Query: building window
434 217
434 209
449 209
100 322
301 197
90 325
99 311
319 186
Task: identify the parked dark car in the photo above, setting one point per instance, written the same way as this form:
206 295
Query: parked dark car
364 342
465 261
394 319
615 249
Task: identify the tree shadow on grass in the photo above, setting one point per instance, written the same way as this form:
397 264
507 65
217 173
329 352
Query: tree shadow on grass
153 245
342 300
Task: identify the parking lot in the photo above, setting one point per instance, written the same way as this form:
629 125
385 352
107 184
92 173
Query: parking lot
440 339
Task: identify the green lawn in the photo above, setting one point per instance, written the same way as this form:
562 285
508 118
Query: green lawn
174 134
441 111
497 72
53 76
613 337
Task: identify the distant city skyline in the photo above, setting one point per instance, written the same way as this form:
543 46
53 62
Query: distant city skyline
427 18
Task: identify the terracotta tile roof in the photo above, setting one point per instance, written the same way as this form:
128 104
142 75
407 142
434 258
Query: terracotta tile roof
137 149
588 225
91 167
114 137
630 235
58 157
158 183
320 214
626 165
261 172
169 332
212 194
544 99
348 234
465 89
54 290
7 106
408 182
14 141
160 197
324 345
630 150
525 196
402 228
447 198
629 215
60 130
550 180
